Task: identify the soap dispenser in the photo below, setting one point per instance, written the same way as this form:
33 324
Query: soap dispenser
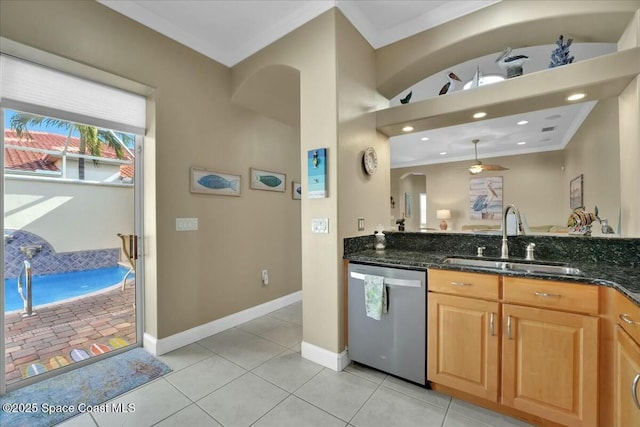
379 239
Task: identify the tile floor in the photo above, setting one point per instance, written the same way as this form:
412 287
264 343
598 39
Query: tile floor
253 375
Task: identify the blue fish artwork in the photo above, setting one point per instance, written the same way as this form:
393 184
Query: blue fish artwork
216 182
299 190
269 180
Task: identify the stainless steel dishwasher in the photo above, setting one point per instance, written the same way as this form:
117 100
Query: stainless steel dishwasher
396 343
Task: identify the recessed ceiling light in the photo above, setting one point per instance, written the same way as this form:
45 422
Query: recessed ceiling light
407 129
479 115
575 96
424 139
443 153
522 142
522 122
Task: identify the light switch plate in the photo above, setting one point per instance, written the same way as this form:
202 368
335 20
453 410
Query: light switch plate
186 224
360 224
320 225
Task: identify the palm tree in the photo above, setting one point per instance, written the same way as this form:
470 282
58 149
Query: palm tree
91 137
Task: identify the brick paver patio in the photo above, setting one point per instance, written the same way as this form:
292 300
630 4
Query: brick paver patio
57 329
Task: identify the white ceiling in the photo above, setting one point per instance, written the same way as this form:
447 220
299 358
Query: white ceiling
230 31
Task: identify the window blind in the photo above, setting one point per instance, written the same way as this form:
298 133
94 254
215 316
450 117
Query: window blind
29 87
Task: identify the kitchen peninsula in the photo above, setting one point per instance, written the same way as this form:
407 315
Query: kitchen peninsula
552 349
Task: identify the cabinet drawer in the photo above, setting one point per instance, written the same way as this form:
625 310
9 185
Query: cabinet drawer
484 286
627 315
551 294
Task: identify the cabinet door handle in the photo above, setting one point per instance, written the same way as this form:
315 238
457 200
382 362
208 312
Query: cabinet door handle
491 324
634 391
547 295
460 284
627 319
509 327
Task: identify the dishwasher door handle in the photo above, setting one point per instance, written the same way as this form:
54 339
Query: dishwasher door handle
388 281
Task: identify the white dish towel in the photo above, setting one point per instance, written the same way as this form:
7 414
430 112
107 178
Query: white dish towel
375 296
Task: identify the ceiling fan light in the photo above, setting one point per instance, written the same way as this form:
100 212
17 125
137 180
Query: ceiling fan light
475 169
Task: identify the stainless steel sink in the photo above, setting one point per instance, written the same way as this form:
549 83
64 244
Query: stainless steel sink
515 266
477 263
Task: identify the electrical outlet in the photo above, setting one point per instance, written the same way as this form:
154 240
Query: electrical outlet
265 277
320 225
186 224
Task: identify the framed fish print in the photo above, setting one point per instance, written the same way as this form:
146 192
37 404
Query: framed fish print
296 190
266 180
317 173
206 181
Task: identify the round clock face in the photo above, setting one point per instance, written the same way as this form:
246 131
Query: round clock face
370 160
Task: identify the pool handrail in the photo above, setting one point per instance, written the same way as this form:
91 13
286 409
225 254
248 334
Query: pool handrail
27 301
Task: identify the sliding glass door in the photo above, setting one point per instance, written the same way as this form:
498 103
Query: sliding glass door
70 244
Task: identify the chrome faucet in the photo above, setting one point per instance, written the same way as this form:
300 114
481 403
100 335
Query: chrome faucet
30 250
505 243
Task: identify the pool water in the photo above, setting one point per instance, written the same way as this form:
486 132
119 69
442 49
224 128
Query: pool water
57 287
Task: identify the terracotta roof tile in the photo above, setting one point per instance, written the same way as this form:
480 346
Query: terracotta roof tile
32 161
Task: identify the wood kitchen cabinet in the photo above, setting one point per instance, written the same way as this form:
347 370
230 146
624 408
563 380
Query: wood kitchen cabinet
626 381
550 364
465 333
530 345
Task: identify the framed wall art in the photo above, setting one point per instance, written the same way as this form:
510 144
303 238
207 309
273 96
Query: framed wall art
485 198
317 173
206 181
296 190
266 180
576 193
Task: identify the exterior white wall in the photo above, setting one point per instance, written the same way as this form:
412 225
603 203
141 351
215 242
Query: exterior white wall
70 216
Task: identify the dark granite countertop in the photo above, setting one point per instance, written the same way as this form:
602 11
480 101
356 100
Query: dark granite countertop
624 279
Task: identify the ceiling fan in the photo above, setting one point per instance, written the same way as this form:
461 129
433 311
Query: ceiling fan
477 165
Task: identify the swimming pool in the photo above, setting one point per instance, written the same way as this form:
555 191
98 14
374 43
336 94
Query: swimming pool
57 287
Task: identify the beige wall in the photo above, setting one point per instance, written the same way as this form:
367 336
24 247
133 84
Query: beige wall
199 276
359 194
594 153
311 49
66 214
337 100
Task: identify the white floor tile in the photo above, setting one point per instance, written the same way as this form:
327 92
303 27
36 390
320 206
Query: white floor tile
288 370
153 402
483 415
202 378
366 372
243 401
294 412
242 348
389 408
289 314
287 335
185 356
83 420
417 392
191 416
261 325
454 419
340 393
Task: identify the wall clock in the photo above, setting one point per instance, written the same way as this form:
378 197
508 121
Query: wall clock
370 160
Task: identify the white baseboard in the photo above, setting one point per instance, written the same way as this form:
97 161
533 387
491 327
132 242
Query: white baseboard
326 358
164 345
